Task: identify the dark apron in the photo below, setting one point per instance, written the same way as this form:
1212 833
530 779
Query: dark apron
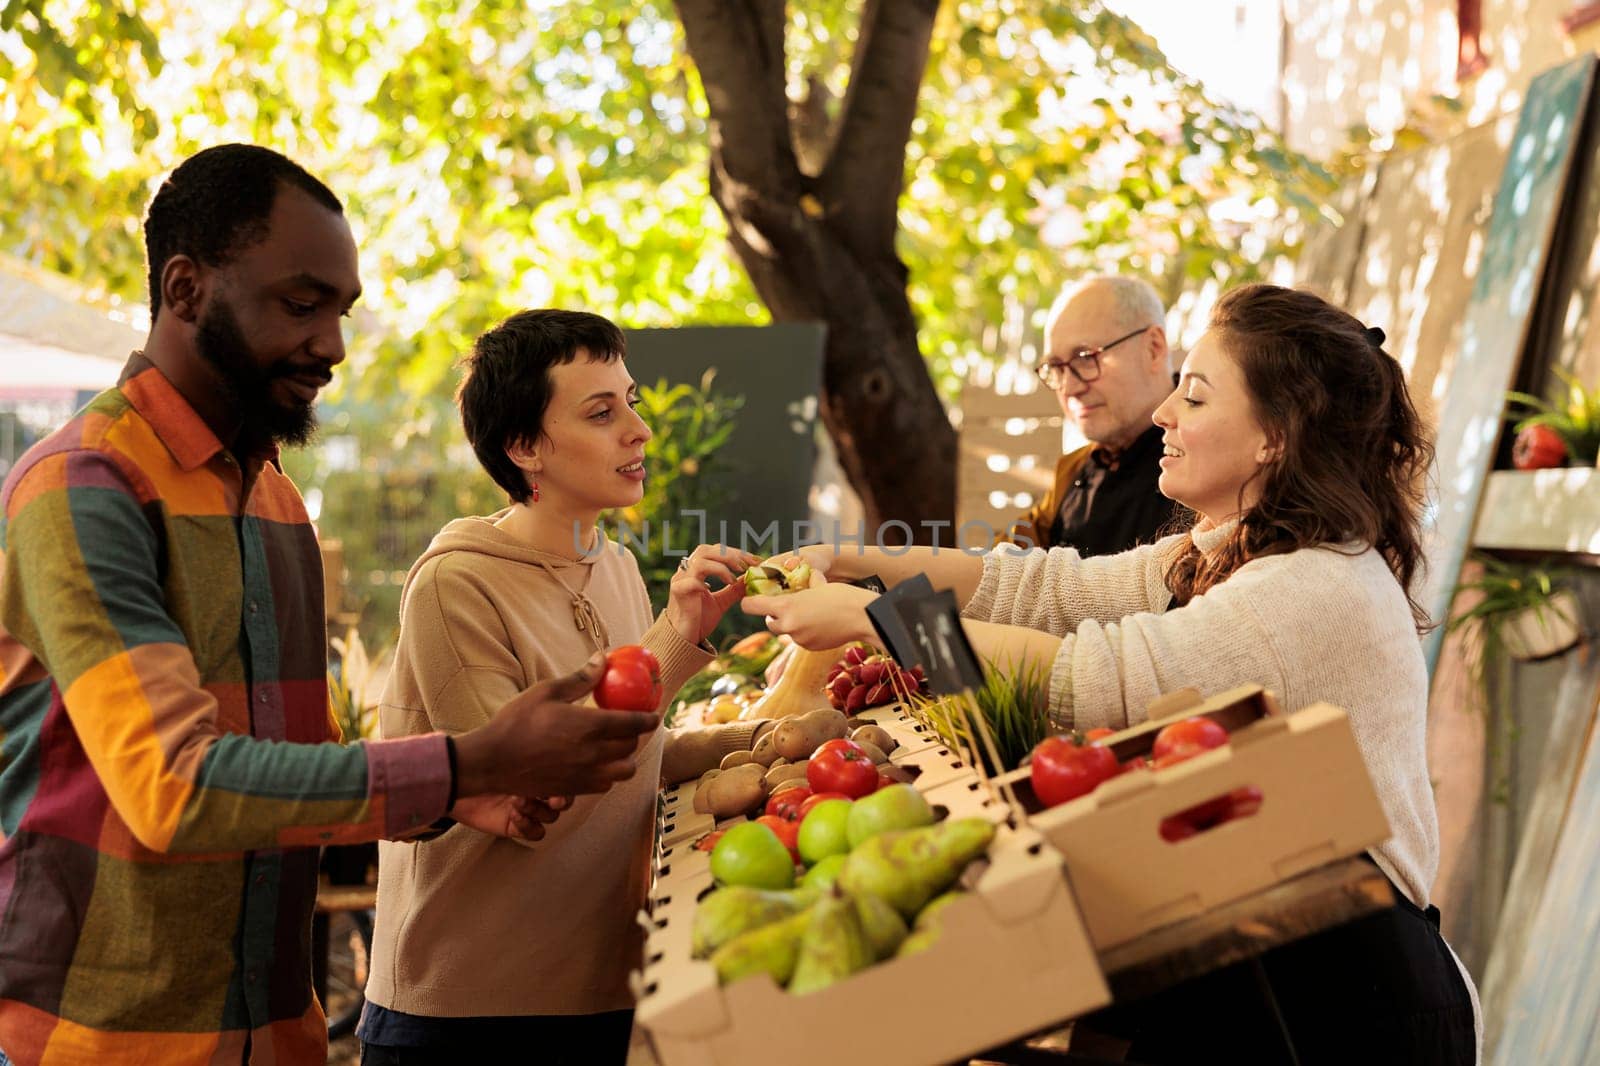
1381 989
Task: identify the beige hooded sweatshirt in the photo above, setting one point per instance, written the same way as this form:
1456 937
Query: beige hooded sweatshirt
470 925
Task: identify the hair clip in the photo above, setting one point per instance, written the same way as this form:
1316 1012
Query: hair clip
1374 335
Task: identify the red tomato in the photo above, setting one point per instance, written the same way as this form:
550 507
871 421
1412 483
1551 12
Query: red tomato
1097 734
709 841
1243 802
1138 762
1240 803
1062 770
632 680
816 798
1538 447
842 767
1188 737
884 780
786 804
787 832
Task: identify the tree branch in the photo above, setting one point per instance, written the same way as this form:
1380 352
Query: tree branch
862 182
737 45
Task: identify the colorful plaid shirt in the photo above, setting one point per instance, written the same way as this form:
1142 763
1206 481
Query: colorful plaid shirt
166 770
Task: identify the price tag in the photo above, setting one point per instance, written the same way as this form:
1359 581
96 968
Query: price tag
873 583
933 623
891 630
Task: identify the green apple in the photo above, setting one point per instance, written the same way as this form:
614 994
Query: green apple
823 874
822 831
891 807
751 854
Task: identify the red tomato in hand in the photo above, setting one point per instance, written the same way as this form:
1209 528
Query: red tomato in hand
816 798
787 832
1188 737
842 766
1538 447
1062 770
632 680
786 804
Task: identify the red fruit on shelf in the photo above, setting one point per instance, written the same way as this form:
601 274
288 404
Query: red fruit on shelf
1537 448
786 804
1188 737
819 797
842 766
1098 734
786 830
1240 803
1062 770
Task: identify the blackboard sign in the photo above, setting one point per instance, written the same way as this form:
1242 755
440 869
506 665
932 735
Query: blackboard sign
886 620
948 658
769 459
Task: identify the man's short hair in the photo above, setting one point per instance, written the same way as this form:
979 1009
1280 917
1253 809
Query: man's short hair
1134 300
216 204
506 391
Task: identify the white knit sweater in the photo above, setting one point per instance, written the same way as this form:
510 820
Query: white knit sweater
1316 625
1312 625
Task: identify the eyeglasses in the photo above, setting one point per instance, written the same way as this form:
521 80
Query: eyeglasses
1083 365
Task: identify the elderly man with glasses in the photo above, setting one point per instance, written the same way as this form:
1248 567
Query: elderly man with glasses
1106 358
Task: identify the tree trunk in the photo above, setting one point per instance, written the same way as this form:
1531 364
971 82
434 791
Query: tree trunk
818 242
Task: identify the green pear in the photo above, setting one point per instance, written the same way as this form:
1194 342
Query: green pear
881 923
834 946
909 867
925 931
823 874
772 949
732 911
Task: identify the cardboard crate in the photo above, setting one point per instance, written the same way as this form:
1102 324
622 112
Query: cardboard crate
1318 805
1011 959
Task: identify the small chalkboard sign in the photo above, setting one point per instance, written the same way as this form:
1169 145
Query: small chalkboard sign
947 656
872 583
881 613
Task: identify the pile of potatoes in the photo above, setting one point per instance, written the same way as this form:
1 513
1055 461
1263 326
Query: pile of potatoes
747 779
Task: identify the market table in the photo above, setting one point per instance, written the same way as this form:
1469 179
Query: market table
1319 899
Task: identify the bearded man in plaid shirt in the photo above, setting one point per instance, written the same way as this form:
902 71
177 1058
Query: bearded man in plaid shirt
168 765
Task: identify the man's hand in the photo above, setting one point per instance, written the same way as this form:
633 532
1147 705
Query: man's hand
542 744
516 817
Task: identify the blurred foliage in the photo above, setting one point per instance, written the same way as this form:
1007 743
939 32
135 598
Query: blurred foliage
500 154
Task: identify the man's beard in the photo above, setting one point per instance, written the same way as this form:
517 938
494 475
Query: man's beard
248 386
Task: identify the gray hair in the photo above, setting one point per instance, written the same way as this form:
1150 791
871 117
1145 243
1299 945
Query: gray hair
1135 300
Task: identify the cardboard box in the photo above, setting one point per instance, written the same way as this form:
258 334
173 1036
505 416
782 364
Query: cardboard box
1011 959
1317 805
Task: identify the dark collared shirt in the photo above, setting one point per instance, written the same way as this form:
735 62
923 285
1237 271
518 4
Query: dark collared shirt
1114 504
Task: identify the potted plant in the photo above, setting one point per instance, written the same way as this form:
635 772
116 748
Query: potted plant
1519 614
353 701
1551 434
1524 611
1015 705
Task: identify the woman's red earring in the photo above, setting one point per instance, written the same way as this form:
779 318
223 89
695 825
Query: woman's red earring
535 492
